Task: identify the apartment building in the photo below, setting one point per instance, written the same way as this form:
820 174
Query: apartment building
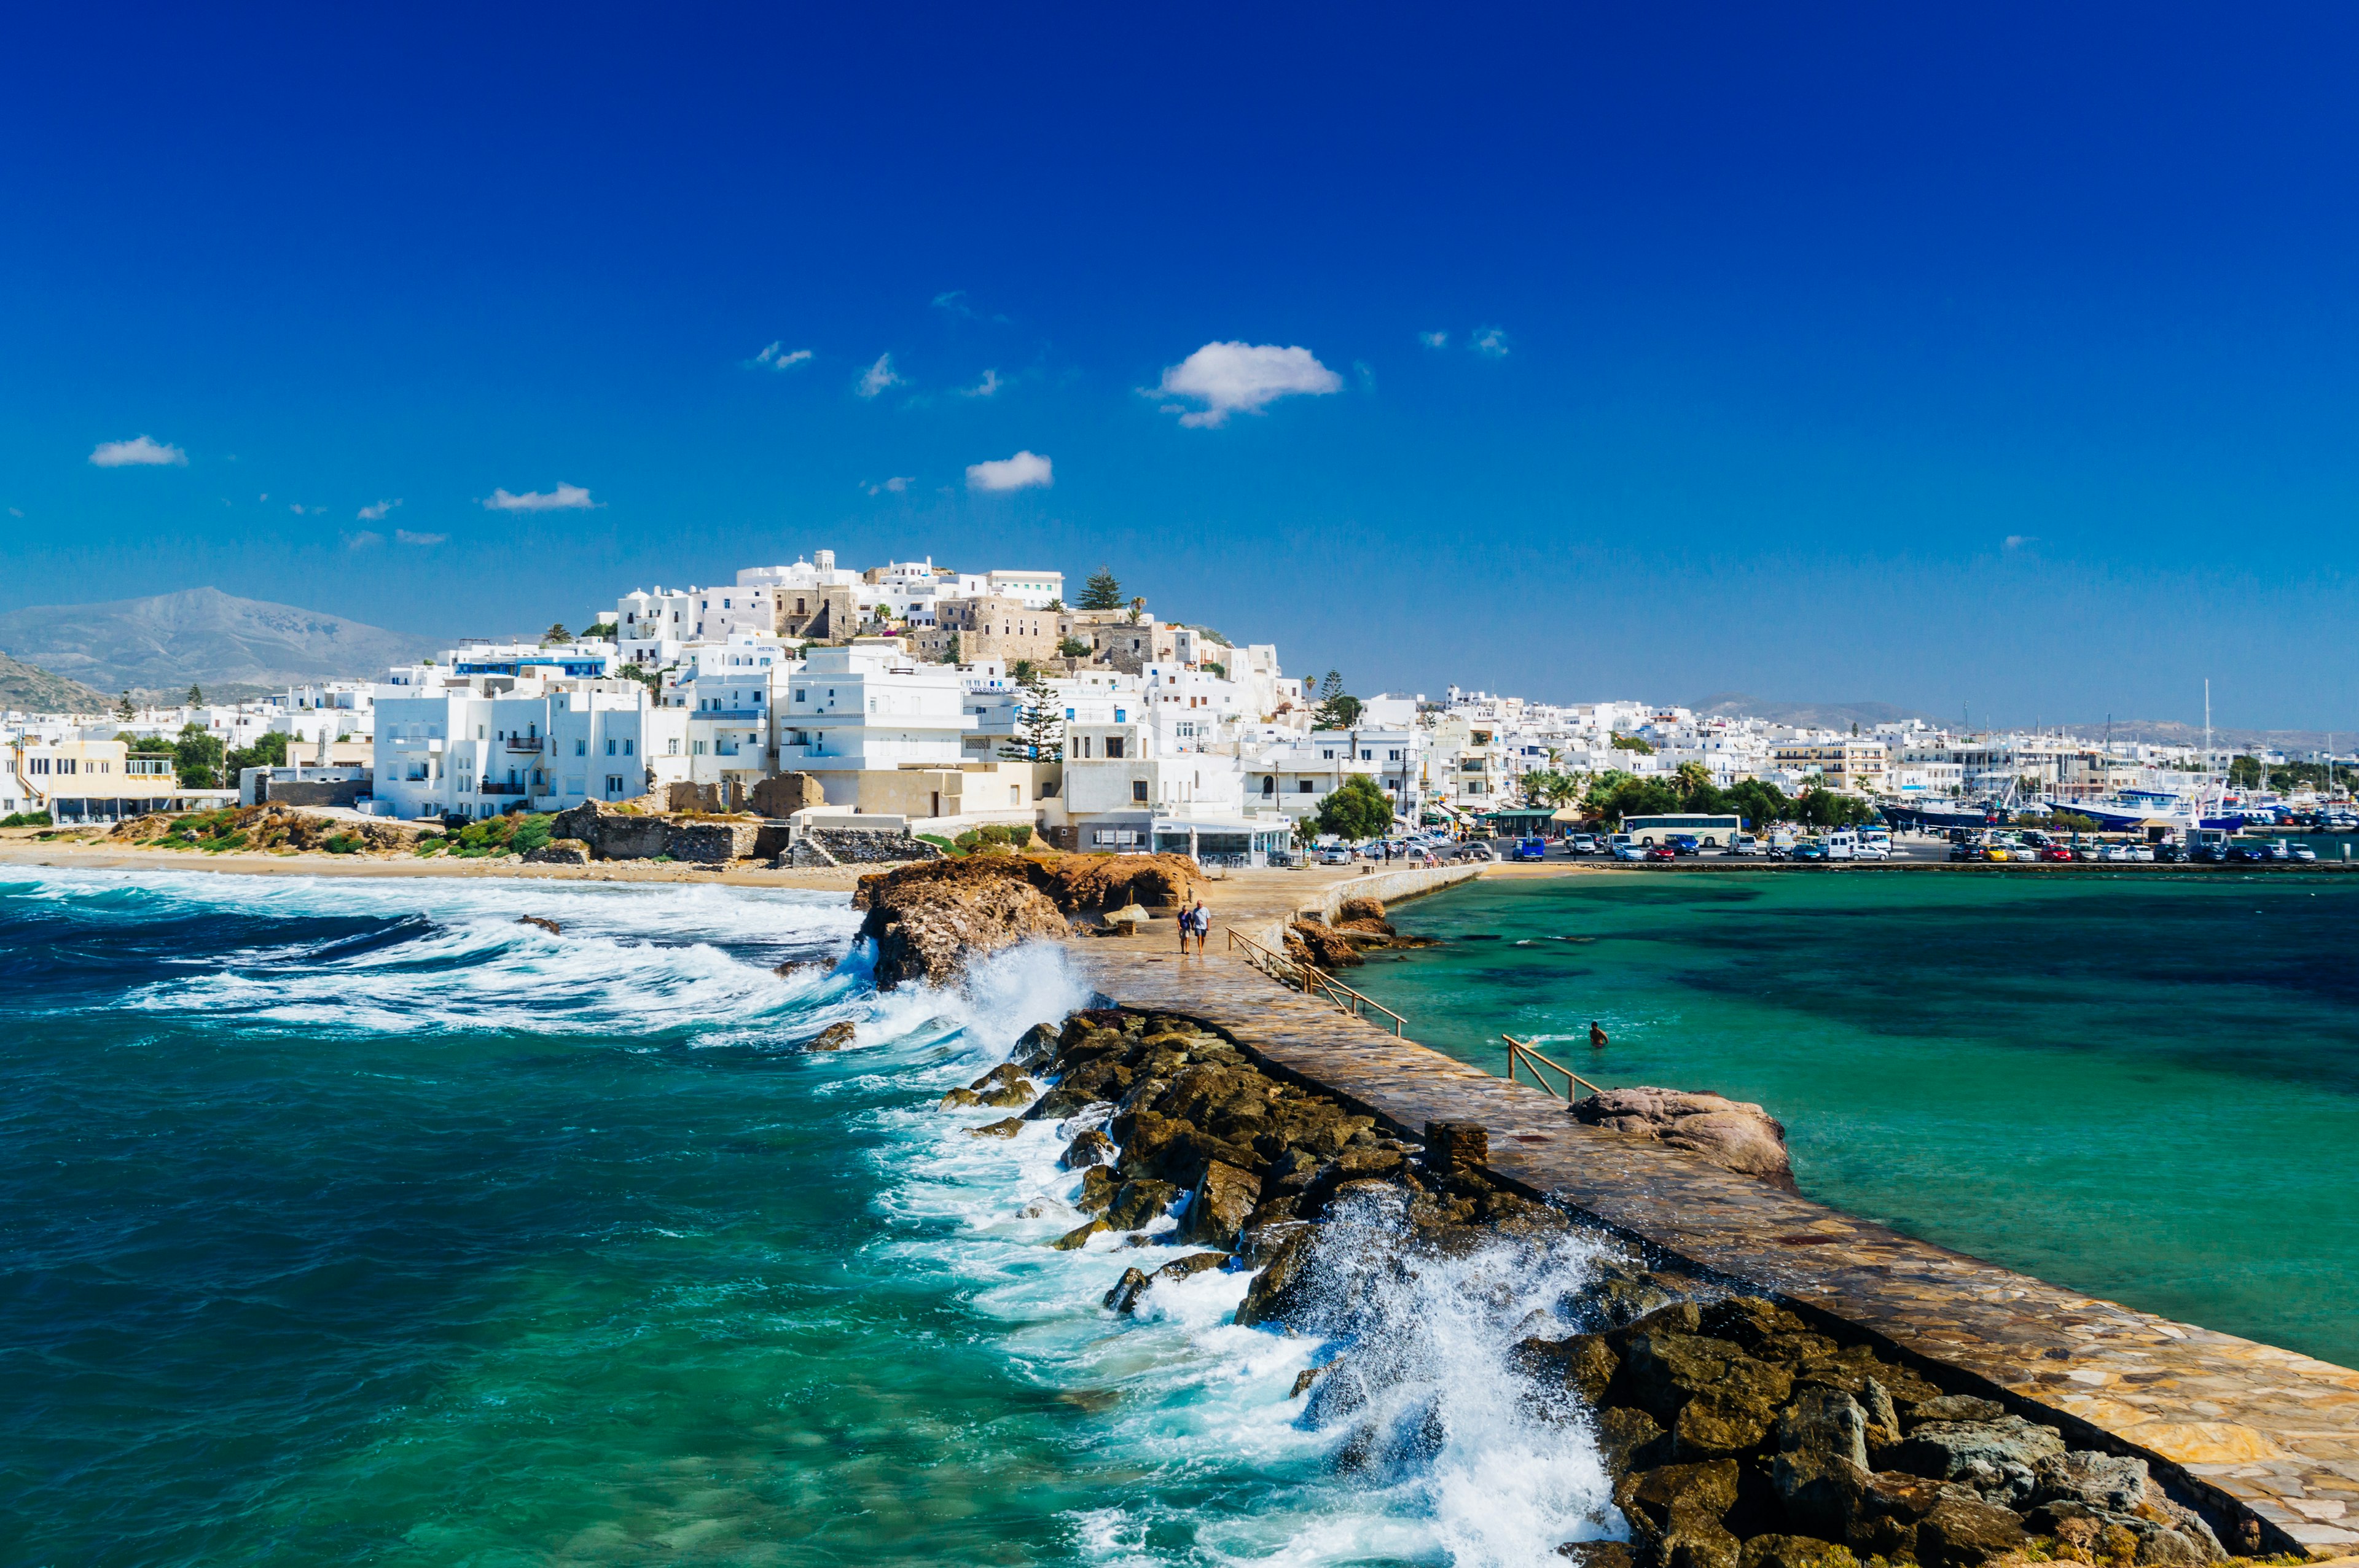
870 704
1295 776
78 780
1859 767
479 748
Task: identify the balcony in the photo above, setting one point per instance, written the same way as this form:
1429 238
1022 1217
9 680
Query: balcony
490 788
524 743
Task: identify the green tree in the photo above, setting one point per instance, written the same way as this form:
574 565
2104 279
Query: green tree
1040 723
605 629
1337 709
556 634
1760 802
950 649
1355 809
1022 670
123 711
196 696
2245 772
1692 776
1824 808
196 757
1072 648
268 751
1632 743
1102 591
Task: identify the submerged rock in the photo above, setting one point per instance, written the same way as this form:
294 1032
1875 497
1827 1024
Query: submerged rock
835 1037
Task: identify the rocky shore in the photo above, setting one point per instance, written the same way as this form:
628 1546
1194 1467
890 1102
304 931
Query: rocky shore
1737 1432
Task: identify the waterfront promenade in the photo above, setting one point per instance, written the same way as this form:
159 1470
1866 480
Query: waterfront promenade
2270 1438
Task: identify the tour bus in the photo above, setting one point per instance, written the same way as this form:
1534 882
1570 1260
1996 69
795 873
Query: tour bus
1711 831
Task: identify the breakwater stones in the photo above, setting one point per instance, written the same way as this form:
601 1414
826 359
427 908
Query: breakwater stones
1736 1433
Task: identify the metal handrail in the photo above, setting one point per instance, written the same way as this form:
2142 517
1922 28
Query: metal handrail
1311 980
1518 1052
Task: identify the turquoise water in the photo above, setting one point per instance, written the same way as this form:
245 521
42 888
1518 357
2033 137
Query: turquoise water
2143 1086
352 1221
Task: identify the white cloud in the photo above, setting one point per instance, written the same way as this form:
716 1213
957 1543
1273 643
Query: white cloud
363 540
2016 540
879 376
953 301
377 513
297 509
14 512
1491 340
1023 472
140 452
1434 340
896 484
988 386
264 496
404 536
1226 377
779 357
564 498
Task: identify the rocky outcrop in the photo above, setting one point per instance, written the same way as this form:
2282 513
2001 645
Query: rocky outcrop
1733 1134
1737 1435
1321 946
927 927
860 846
558 852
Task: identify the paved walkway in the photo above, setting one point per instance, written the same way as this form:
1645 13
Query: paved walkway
2272 1435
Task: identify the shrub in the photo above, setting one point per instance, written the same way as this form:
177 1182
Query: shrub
24 819
993 833
342 843
1020 836
967 842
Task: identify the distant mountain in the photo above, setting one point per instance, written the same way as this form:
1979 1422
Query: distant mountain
34 690
1807 715
2176 732
200 636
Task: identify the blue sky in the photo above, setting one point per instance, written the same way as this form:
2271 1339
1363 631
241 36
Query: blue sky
2001 361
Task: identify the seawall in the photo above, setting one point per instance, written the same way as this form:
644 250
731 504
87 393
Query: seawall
2266 1440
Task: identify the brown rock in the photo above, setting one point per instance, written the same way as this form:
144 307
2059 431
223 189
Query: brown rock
1327 948
1276 1291
1457 1148
1079 1235
1599 1554
1583 1363
550 927
1796 1551
1961 1534
1007 1127
1722 1423
558 852
1098 1187
835 1037
1089 1147
959 1098
1223 1200
1126 1290
929 919
1630 1440
1679 1509
1138 1202
1663 1369
1733 1134
1020 1092
1192 1265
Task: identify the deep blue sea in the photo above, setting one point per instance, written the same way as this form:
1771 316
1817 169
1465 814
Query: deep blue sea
352 1221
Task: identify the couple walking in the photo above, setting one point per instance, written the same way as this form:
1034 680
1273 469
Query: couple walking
1195 921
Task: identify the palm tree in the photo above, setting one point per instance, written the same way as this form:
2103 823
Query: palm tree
1692 776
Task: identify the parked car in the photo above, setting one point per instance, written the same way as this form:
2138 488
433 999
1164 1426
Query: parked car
2302 852
1582 844
1742 844
1660 852
2115 854
2172 853
1965 851
2248 855
1685 844
1809 849
1529 849
1336 855
2143 852
1627 851
2058 852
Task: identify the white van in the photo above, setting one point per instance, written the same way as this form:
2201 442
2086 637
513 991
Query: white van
1843 845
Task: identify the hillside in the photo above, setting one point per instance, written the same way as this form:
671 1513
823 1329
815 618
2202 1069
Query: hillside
36 690
200 636
1807 714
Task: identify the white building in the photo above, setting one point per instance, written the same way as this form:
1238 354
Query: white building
869 705
478 747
